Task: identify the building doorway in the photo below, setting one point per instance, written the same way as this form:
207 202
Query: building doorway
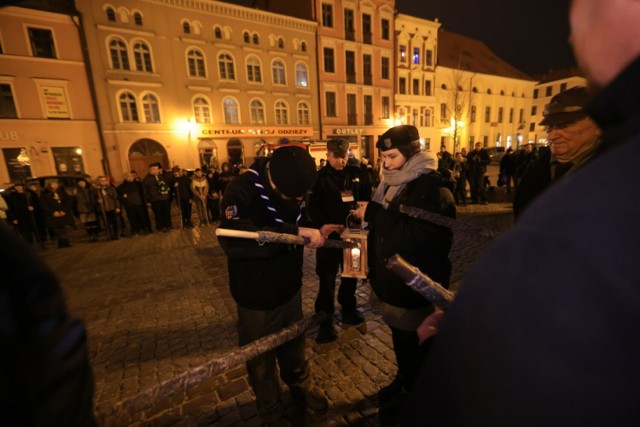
208 153
144 152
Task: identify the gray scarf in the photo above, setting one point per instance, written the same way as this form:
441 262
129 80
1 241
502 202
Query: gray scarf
421 163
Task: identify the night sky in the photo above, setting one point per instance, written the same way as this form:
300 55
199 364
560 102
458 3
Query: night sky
529 34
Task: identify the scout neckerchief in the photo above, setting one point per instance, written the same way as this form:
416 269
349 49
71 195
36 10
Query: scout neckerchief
255 176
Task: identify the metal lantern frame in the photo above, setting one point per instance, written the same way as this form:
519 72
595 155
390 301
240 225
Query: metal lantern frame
355 258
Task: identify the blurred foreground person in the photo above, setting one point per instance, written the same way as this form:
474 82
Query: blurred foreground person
546 336
45 377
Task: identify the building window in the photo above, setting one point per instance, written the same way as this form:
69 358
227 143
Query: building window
521 116
304 113
416 87
500 114
254 73
330 101
532 127
416 55
386 107
402 86
548 91
327 15
427 117
256 38
563 87
151 108
195 62
246 37
128 107
301 75
230 111
42 43
137 18
119 55
487 114
111 14
384 68
443 112
535 94
385 29
350 65
303 46
366 28
7 104
142 57
279 77
225 64
511 115
186 27
282 113
367 69
368 110
534 110
201 110
428 58
403 53
349 27
280 43
472 117
217 32
329 64
427 87
352 112
257 112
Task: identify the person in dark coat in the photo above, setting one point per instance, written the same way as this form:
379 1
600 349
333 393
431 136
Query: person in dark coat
460 176
182 194
213 198
87 208
573 140
58 216
508 168
108 206
542 330
410 178
337 191
156 194
130 193
45 376
20 214
265 279
477 161
524 157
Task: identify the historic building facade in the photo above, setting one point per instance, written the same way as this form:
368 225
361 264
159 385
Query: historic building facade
47 120
195 82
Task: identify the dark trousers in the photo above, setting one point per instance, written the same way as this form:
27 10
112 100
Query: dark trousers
476 184
290 356
162 212
409 354
185 212
25 230
327 263
111 218
460 191
137 219
214 209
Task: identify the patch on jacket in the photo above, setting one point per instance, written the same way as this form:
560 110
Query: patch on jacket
231 211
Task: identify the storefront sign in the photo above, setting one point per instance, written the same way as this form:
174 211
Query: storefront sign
348 131
257 132
55 102
8 135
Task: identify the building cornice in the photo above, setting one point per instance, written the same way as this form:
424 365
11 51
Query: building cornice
115 29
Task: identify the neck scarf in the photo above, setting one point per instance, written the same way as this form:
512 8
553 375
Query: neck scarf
393 181
255 176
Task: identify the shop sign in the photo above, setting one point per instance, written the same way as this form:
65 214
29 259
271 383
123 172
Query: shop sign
262 131
55 102
348 131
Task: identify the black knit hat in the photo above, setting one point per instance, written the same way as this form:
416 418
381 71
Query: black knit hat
397 137
292 170
566 107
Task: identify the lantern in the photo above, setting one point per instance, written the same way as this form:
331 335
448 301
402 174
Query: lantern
355 258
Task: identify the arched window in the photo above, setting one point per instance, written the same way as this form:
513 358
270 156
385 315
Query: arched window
128 107
195 63
225 64
303 46
489 92
256 38
119 55
280 43
246 37
186 27
303 113
217 32
282 113
257 112
279 77
151 108
201 110
137 18
301 75
254 73
231 111
111 14
142 57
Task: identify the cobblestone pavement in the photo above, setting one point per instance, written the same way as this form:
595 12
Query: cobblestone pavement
156 306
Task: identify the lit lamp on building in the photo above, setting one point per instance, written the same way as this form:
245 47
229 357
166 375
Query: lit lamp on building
355 258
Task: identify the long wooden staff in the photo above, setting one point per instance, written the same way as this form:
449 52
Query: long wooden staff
445 221
273 237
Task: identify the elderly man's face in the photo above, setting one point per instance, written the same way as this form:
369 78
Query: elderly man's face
571 140
337 162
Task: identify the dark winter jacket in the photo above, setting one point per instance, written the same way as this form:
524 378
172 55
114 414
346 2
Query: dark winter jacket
130 193
155 188
57 201
477 162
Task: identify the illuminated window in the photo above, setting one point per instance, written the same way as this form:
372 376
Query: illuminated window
301 75
257 112
403 53
416 55
151 108
201 110
231 111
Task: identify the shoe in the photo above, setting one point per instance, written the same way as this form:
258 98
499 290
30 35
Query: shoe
352 317
326 333
312 398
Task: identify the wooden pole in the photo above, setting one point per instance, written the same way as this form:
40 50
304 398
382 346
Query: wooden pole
273 237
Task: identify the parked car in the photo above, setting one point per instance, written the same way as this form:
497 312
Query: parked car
495 154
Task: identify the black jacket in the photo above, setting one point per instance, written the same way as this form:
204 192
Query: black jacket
130 193
325 203
51 204
421 243
535 180
261 277
155 189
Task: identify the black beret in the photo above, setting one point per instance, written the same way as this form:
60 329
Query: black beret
566 107
292 170
338 146
398 136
